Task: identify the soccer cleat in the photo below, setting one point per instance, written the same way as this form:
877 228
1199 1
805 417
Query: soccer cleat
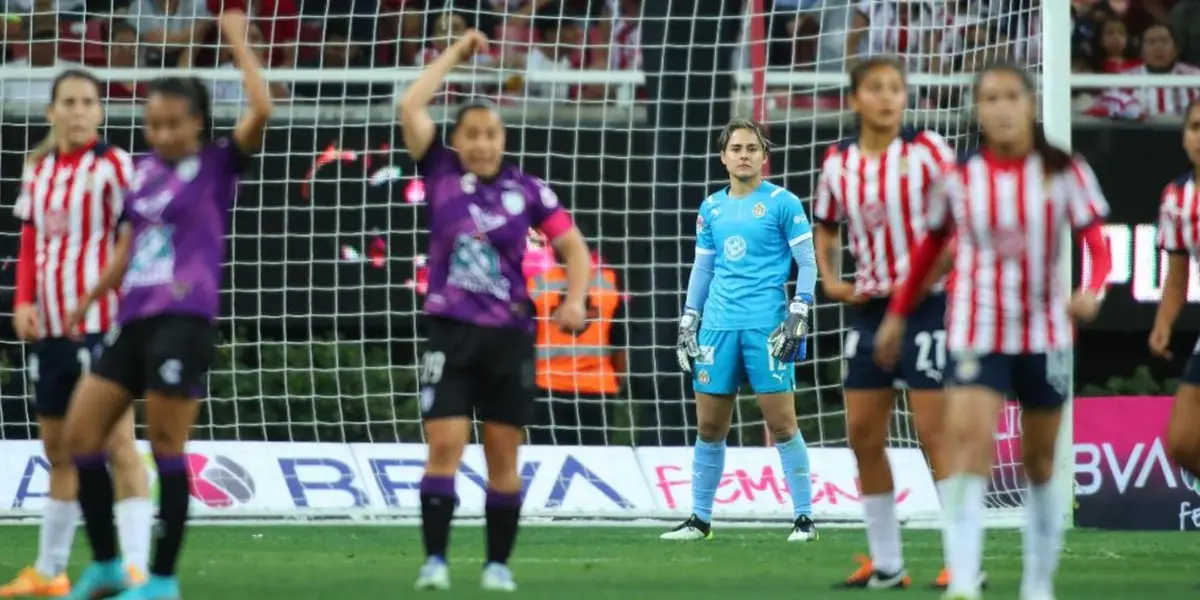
30 584
497 578
943 580
691 530
866 577
100 580
434 575
804 530
156 587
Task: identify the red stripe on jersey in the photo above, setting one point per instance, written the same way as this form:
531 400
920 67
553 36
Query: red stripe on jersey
1047 291
882 202
1026 268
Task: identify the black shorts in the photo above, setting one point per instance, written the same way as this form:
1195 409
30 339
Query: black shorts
1036 380
923 357
469 370
169 354
1191 372
55 366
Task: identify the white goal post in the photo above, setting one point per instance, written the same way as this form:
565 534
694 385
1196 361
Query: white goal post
280 383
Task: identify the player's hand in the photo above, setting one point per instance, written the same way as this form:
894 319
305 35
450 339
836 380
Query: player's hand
687 348
1084 307
787 341
842 291
471 43
25 322
233 23
1160 342
77 316
888 340
571 316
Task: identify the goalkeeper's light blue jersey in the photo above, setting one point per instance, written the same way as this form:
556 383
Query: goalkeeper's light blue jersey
752 239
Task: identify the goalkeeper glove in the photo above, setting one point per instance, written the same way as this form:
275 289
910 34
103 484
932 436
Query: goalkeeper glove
787 341
687 348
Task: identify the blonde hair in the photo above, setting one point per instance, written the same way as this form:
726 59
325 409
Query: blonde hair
42 148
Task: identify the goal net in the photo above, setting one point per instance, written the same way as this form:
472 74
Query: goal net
312 403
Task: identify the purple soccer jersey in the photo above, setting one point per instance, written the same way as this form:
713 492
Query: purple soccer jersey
180 215
477 236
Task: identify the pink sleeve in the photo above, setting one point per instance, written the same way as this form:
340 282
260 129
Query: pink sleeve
556 224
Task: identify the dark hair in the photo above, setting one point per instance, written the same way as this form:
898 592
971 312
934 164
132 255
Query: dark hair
736 124
48 143
1096 44
470 107
1164 27
116 27
192 90
859 73
1054 158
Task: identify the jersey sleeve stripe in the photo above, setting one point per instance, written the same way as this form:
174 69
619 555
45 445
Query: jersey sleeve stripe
700 250
800 238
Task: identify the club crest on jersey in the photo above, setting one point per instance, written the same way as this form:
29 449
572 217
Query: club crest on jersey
874 215
56 222
467 183
514 202
735 249
703 377
760 209
188 168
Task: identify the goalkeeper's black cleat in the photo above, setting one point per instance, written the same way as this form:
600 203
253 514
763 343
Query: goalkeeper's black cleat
691 530
868 578
804 530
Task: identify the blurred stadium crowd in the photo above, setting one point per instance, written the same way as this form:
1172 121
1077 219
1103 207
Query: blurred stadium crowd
935 36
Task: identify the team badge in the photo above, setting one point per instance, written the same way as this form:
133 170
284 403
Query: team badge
467 183
702 376
699 223
188 168
514 202
759 210
55 222
966 368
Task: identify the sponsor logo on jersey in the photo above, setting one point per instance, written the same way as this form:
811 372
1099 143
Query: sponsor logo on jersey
188 168
760 209
874 215
475 267
735 249
1010 242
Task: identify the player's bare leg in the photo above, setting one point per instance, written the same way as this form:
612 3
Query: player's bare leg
131 488
867 414
1183 432
714 413
971 413
96 407
1044 528
779 412
503 504
929 419
446 438
47 578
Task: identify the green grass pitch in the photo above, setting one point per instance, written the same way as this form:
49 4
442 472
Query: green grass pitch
268 562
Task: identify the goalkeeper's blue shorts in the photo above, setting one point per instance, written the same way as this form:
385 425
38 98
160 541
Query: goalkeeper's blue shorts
729 357
923 356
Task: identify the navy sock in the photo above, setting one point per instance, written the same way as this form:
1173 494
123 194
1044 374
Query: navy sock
503 511
96 503
437 510
173 502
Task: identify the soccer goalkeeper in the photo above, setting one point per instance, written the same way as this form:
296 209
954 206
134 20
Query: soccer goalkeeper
746 237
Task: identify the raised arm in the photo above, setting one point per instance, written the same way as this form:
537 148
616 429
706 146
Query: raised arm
416 126
248 132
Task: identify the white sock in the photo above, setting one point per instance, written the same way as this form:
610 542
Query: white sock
943 492
883 532
963 531
1043 535
135 521
60 518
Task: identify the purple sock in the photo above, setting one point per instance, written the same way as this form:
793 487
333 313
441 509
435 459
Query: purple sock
503 510
437 510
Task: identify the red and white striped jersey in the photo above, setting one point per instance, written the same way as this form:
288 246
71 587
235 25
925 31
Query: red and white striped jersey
625 39
882 202
1179 216
1007 295
74 200
1150 101
911 30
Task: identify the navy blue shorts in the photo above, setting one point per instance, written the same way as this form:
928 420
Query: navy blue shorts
1035 380
923 357
1191 372
55 366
